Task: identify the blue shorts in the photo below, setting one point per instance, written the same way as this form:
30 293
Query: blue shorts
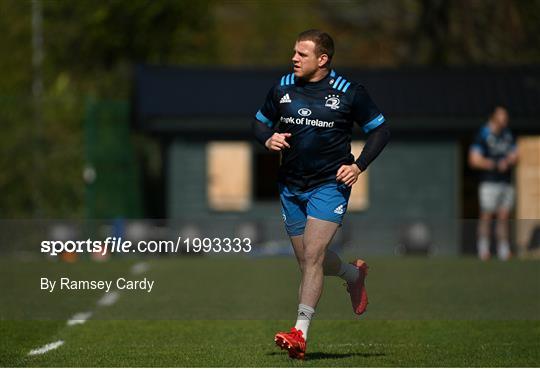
326 202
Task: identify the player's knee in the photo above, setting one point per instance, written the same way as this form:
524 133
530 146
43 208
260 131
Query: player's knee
503 215
484 222
313 258
486 216
301 262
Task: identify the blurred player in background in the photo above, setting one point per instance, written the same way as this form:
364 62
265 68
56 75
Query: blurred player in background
494 154
308 117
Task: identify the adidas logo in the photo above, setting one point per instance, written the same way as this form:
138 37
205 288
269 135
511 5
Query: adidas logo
339 210
285 99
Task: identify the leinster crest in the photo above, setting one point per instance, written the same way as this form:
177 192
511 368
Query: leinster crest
332 102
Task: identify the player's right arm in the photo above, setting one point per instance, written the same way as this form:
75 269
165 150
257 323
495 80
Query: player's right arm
264 123
477 159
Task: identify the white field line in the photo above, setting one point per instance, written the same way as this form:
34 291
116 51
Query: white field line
140 268
108 298
47 347
79 318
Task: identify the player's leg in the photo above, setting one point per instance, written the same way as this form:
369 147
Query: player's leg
487 194
333 265
317 237
503 216
325 210
309 250
503 245
293 207
329 203
482 243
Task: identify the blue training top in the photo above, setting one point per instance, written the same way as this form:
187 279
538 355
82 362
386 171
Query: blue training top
494 147
320 117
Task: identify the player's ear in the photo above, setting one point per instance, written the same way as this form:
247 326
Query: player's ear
323 59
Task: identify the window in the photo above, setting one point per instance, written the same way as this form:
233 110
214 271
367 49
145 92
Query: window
229 175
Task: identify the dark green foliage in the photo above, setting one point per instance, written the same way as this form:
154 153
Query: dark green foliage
90 48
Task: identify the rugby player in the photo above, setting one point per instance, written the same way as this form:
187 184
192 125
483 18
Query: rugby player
308 117
493 153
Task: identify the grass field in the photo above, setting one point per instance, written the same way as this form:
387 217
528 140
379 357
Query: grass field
224 312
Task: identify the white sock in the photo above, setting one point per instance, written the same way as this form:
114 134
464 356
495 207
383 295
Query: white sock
503 250
304 318
483 247
348 272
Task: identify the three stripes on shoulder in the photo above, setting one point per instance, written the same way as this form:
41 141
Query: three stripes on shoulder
340 83
287 79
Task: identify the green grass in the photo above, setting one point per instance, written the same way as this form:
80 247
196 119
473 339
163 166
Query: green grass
224 312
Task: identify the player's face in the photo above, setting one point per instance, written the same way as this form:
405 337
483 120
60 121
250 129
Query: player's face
500 117
305 60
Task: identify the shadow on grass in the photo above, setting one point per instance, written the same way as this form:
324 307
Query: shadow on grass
330 355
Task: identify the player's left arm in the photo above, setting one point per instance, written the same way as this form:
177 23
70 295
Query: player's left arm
365 111
511 158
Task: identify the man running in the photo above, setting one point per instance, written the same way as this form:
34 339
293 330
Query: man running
308 117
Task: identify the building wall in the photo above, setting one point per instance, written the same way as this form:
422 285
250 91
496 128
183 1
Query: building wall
186 191
411 181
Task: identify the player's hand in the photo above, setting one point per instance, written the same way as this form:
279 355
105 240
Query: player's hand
490 164
348 174
502 165
277 142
